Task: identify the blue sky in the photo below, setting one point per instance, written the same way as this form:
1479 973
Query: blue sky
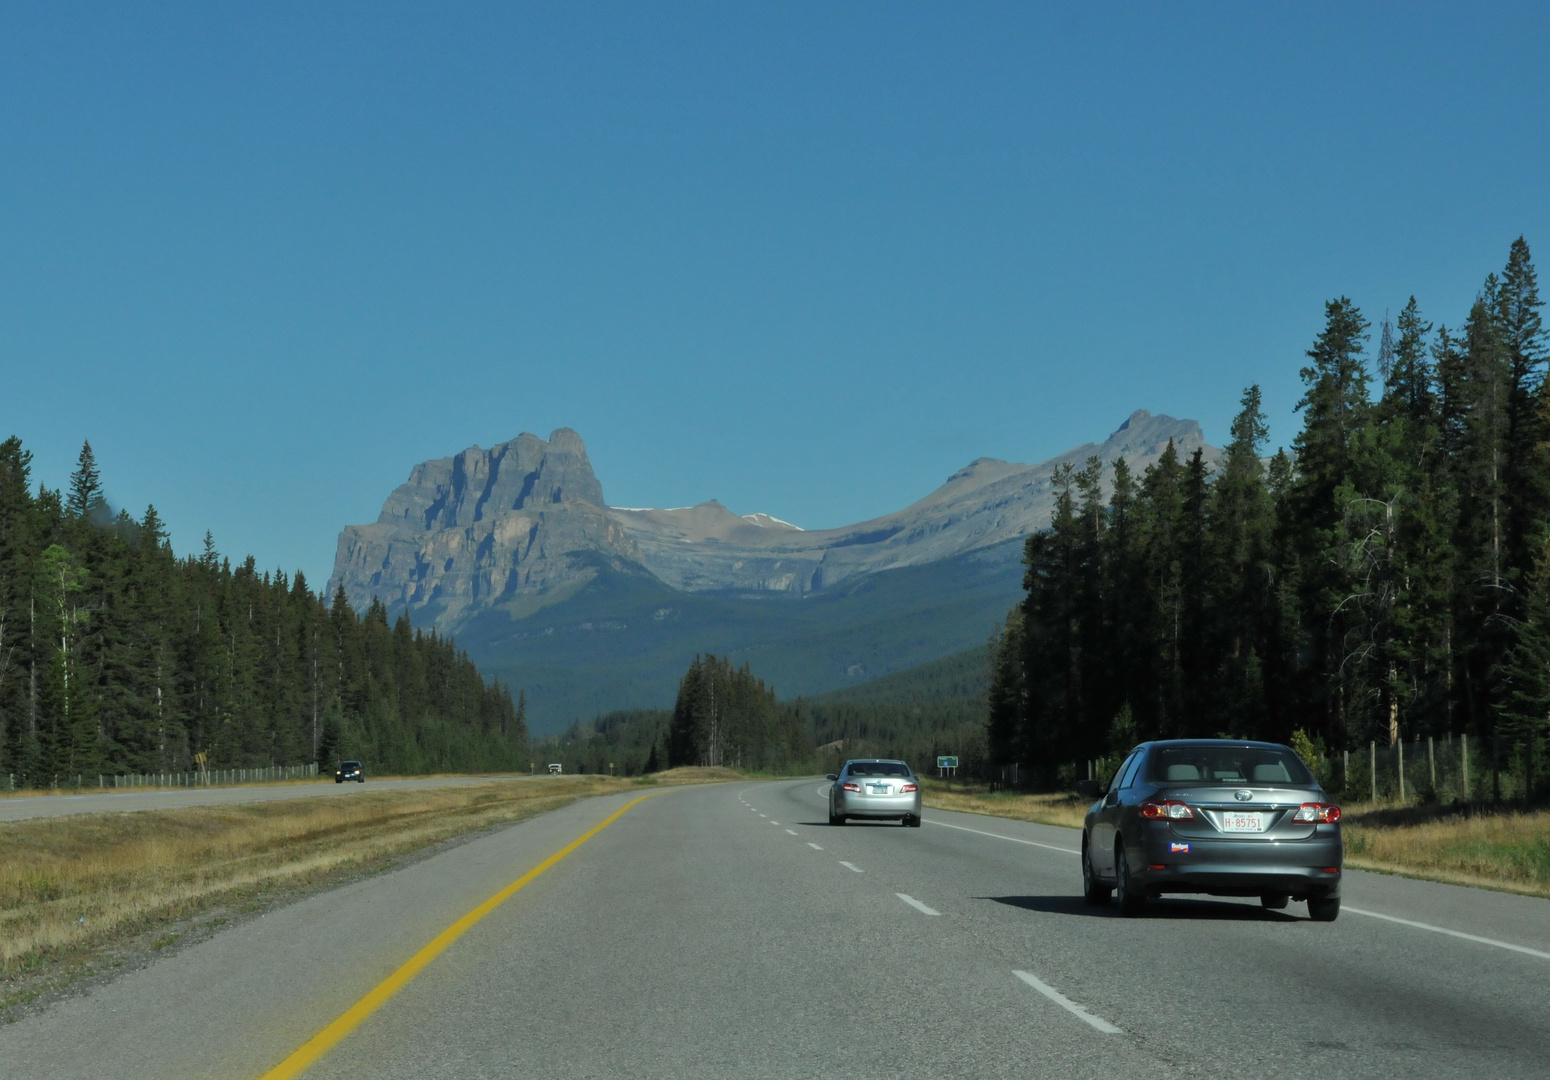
808 259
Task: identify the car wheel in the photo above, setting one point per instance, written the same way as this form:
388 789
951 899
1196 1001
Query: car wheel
914 821
1132 900
835 819
1095 891
1274 901
1324 910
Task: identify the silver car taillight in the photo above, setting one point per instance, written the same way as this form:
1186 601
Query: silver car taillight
1172 810
1318 813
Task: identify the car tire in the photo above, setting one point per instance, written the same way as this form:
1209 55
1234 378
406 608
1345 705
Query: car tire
836 819
1326 910
912 820
1132 898
1274 901
1094 891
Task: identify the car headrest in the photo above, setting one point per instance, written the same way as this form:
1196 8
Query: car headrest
1183 772
1272 771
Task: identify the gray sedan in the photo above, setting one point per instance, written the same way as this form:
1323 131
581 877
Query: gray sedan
1213 816
879 789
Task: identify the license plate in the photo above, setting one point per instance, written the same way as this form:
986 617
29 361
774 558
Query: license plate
1234 822
879 789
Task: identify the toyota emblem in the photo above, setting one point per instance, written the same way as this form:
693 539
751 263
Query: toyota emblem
1243 796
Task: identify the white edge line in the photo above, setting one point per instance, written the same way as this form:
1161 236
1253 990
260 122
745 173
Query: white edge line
852 866
1066 1003
814 846
1451 933
998 836
917 905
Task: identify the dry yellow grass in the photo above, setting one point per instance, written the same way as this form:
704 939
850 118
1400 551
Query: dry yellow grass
1066 810
68 883
1509 851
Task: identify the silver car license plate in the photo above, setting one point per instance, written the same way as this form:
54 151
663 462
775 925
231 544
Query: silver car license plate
878 789
1233 821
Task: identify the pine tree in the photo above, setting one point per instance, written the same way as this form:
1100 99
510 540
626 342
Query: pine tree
86 499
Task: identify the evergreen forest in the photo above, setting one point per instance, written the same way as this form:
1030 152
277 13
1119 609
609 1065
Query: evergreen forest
1387 577
117 656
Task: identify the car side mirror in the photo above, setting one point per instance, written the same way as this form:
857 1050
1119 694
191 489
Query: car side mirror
831 776
1088 789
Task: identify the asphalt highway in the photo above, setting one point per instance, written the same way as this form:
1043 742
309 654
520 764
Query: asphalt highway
99 802
729 931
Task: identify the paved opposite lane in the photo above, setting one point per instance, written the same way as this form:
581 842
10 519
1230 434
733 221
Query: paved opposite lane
719 930
22 807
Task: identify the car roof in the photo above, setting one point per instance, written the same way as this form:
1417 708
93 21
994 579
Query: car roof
1246 743
879 760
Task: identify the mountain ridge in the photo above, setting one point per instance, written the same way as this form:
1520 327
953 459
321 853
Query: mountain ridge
514 551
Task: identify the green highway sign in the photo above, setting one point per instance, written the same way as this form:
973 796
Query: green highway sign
947 763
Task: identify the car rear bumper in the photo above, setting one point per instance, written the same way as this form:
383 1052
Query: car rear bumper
879 806
1299 868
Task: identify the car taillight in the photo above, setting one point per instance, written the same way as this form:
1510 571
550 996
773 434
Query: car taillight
1172 810
908 788
1319 813
852 787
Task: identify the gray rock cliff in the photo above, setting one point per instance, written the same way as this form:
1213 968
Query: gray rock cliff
518 526
523 525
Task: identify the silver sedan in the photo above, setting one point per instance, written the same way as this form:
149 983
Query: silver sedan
878 789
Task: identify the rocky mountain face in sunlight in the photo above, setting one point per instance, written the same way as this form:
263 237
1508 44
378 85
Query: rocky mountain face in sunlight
515 551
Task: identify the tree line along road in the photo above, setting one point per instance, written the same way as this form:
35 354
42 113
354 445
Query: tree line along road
718 930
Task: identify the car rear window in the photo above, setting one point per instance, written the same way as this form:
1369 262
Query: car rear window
348 766
879 768
1227 765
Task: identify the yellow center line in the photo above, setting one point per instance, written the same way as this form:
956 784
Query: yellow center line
351 1018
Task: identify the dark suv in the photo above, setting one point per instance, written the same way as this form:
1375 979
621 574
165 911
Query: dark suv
1213 816
350 770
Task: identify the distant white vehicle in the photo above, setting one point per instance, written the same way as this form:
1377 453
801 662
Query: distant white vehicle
554 768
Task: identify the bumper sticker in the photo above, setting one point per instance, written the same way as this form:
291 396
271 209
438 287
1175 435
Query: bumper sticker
1176 847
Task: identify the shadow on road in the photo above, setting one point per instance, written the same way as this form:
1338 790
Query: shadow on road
1168 908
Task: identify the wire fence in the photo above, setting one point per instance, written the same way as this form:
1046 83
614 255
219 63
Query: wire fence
199 778
1455 768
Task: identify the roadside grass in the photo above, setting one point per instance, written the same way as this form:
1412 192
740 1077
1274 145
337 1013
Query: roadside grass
1045 809
1504 850
75 886
1461 845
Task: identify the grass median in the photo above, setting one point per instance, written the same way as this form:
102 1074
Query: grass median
78 892
1460 845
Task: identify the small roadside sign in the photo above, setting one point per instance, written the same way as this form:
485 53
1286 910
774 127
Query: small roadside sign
947 762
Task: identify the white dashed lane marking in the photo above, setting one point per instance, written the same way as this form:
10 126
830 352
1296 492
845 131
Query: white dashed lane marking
814 846
917 905
1066 1003
793 832
852 866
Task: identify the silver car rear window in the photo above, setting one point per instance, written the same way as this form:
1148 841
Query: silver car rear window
1263 765
878 768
